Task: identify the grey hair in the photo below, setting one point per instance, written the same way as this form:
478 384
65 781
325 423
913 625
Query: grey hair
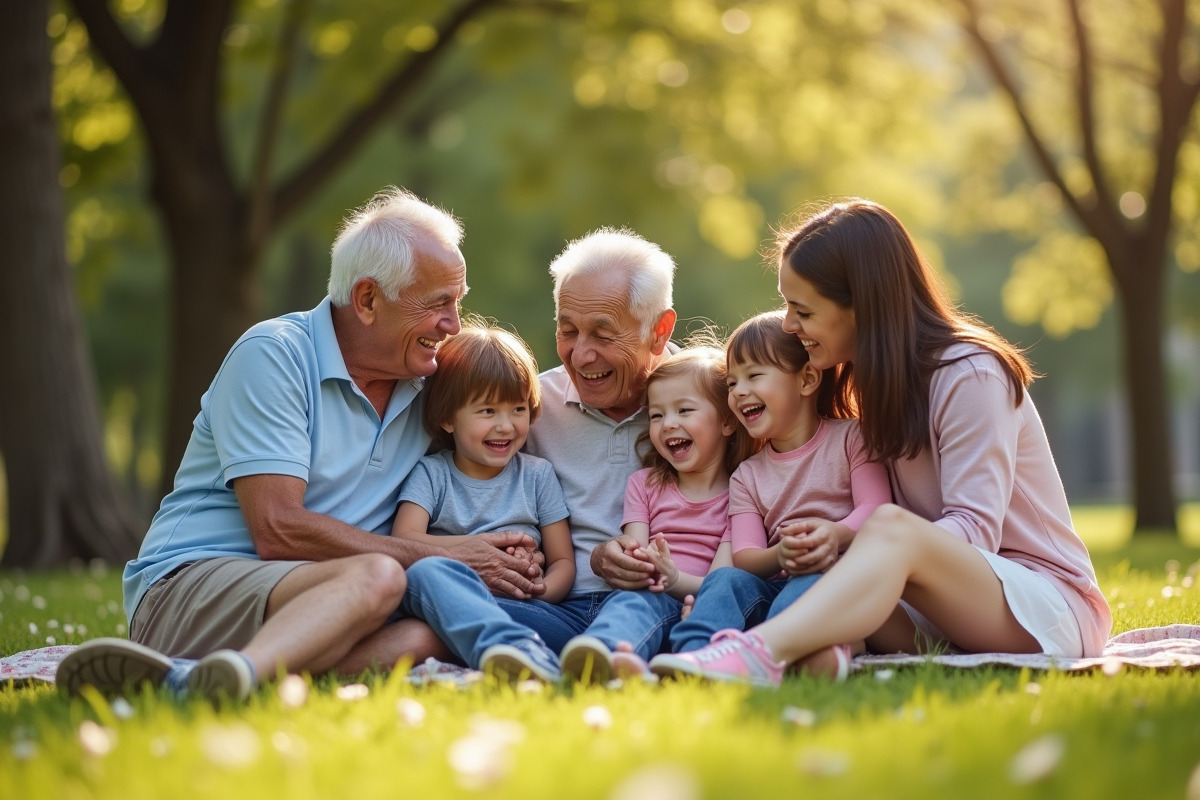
650 270
376 242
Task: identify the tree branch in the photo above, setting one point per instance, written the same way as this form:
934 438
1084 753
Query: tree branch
309 176
1177 101
1000 74
1084 99
110 41
260 189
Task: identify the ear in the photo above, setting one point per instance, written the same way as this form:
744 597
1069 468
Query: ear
662 331
728 428
810 379
448 427
365 298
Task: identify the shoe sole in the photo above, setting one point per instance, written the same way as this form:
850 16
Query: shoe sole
665 666
111 666
511 665
221 674
587 661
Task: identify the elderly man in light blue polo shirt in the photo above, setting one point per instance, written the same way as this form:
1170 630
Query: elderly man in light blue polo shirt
272 550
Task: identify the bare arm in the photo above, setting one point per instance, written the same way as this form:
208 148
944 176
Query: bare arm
282 528
560 561
412 523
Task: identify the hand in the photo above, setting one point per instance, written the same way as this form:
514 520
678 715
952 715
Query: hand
615 563
808 545
659 554
506 574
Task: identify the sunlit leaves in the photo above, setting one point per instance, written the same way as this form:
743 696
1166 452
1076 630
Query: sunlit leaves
1061 284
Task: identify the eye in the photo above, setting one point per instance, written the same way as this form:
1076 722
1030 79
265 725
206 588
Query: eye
655 415
686 410
521 410
487 411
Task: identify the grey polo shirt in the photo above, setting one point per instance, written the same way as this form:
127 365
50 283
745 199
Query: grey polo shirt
593 456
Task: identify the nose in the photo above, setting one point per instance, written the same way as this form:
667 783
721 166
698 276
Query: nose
451 324
503 421
790 325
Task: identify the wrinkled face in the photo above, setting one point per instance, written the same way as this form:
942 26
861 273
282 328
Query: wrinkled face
487 435
600 343
685 427
827 331
769 402
409 329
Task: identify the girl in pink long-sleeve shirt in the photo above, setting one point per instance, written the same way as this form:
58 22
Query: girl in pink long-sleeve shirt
978 550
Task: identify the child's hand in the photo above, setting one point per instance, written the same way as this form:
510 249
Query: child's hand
808 545
686 611
532 556
658 553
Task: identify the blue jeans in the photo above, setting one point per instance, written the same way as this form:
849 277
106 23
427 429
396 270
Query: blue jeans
733 598
643 618
456 603
556 623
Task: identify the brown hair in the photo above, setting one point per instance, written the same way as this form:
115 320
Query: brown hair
480 362
762 340
705 365
857 254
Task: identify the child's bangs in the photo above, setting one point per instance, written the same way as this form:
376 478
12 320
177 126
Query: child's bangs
753 345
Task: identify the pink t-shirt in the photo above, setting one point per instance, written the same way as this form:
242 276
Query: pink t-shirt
831 476
693 530
988 477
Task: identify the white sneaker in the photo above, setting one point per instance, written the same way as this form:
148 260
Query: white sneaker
224 673
515 662
587 660
111 666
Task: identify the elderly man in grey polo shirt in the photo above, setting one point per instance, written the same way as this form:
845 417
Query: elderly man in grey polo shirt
612 303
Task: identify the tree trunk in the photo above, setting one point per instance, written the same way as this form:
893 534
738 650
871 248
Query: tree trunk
64 502
1141 303
213 299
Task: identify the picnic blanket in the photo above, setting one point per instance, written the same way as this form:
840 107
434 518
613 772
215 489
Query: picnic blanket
1168 647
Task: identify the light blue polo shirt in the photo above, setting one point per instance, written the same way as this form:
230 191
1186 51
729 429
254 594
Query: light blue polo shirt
282 403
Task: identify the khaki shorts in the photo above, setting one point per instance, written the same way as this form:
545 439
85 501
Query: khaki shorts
207 605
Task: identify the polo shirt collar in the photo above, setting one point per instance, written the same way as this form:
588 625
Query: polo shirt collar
330 363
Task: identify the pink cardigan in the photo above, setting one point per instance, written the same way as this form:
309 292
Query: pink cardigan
988 477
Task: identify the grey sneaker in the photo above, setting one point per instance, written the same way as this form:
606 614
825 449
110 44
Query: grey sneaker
224 673
515 662
587 660
112 666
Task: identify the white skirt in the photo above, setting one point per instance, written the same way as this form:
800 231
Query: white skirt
1034 601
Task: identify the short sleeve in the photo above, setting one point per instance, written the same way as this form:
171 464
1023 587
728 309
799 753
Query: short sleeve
425 486
258 411
637 499
551 504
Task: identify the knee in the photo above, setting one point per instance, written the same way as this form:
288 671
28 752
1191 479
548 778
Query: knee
433 568
379 579
886 526
724 579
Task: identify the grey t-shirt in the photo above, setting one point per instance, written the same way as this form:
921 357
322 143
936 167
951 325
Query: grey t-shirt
593 456
523 497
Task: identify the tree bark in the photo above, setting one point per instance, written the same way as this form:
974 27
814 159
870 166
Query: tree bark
64 503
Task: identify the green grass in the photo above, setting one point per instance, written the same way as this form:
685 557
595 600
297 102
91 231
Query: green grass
922 732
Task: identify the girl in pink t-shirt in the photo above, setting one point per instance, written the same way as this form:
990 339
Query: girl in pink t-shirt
978 551
677 510
794 505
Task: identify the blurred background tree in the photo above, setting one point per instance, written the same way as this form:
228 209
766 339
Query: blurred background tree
210 149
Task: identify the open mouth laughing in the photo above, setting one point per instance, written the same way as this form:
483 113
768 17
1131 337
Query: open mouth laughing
679 447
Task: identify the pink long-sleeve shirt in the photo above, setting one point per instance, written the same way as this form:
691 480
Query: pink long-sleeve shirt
988 477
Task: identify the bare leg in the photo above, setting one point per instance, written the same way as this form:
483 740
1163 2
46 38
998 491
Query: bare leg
320 611
408 638
898 555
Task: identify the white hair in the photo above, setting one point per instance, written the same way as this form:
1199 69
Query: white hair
649 269
376 242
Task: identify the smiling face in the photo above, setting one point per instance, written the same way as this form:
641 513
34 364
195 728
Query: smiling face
827 331
601 344
407 331
685 427
487 435
773 403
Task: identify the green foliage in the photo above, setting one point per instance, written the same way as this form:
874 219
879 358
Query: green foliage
919 732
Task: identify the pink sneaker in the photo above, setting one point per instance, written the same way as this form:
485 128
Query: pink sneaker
732 656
